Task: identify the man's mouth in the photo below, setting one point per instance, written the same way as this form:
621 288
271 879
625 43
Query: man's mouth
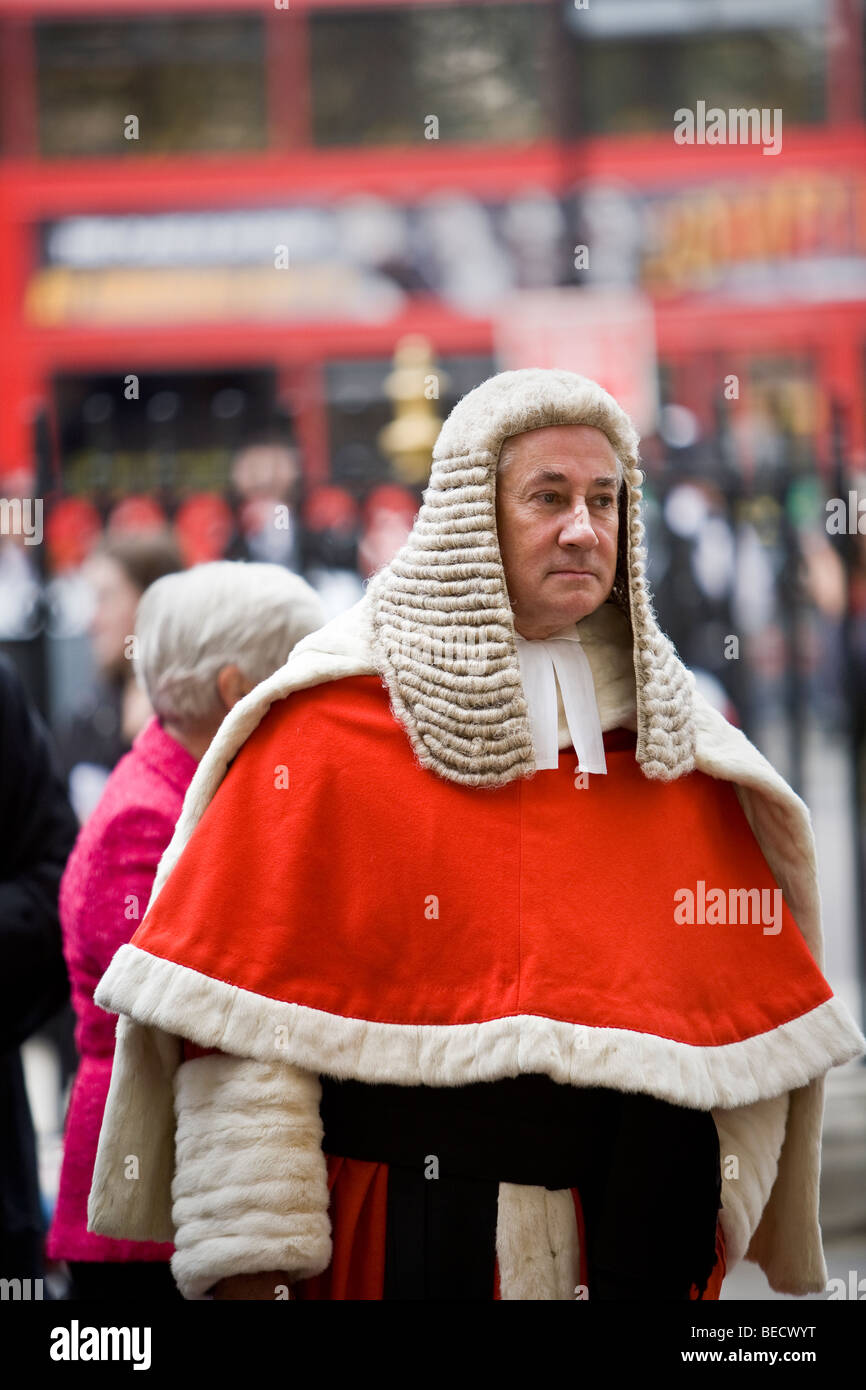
583 574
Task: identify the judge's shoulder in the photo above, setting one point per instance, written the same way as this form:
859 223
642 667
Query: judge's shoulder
352 708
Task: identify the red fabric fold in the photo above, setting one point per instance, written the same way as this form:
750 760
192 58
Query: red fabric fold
332 871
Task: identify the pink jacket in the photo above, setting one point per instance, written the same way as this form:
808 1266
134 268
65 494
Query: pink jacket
103 896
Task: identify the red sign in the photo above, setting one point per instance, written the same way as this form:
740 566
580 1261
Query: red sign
607 335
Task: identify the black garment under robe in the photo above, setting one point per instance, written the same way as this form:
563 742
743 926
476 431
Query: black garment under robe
648 1174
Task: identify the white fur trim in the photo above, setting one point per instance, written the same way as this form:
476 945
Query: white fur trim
212 1013
537 1243
791 1264
753 1135
132 1201
250 1190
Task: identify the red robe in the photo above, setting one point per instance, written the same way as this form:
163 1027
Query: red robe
380 892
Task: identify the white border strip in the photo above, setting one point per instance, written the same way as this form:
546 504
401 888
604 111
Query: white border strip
181 1001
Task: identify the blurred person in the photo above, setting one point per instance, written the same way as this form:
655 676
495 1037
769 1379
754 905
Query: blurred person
204 639
823 638
204 526
435 992
19 589
331 531
73 527
118 568
266 477
388 514
37 832
21 536
100 731
857 607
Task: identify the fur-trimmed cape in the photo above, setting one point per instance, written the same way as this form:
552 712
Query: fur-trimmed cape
739 1016
436 626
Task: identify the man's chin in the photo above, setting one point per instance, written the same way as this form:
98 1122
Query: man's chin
576 614
564 614
577 598
570 605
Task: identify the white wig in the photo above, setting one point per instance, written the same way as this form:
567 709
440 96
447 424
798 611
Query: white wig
228 612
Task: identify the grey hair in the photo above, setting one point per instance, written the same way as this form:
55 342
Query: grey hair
227 612
507 450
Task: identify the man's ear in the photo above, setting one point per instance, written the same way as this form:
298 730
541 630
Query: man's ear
232 684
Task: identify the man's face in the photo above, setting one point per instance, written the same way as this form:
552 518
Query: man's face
558 524
115 599
265 470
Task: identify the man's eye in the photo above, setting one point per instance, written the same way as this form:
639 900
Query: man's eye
607 499
548 496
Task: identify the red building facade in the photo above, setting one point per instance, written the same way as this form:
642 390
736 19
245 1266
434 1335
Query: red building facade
416 167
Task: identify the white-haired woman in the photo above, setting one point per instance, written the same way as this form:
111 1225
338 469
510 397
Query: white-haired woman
203 639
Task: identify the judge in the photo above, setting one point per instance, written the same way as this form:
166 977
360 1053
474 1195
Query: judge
412 1013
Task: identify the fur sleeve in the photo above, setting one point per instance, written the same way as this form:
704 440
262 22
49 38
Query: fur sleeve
250 1189
752 1135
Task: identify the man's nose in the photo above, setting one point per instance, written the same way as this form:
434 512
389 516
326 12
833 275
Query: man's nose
577 527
